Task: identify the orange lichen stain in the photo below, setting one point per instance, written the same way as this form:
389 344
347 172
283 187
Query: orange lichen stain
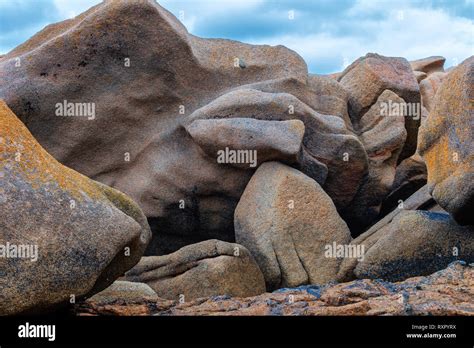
20 150
438 160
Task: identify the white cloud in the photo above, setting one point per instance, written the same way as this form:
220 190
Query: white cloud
421 33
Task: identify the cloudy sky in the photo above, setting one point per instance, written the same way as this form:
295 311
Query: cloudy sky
329 34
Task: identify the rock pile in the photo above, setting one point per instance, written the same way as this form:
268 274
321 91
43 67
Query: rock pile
252 174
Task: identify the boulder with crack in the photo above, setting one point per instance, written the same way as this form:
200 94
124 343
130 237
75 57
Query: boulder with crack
208 268
288 222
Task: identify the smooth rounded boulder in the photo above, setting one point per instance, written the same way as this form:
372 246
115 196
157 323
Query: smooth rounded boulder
124 291
250 142
288 223
62 235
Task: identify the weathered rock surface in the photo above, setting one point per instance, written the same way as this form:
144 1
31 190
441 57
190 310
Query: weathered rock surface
446 144
447 292
429 87
286 220
331 97
383 136
204 269
429 65
137 53
86 234
369 76
415 243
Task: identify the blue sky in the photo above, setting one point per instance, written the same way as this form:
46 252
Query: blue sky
328 34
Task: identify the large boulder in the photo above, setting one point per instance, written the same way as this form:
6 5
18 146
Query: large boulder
370 76
144 79
288 222
446 144
414 243
61 234
421 199
208 268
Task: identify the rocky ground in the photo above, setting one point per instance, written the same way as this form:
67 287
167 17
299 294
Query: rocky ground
205 176
447 292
